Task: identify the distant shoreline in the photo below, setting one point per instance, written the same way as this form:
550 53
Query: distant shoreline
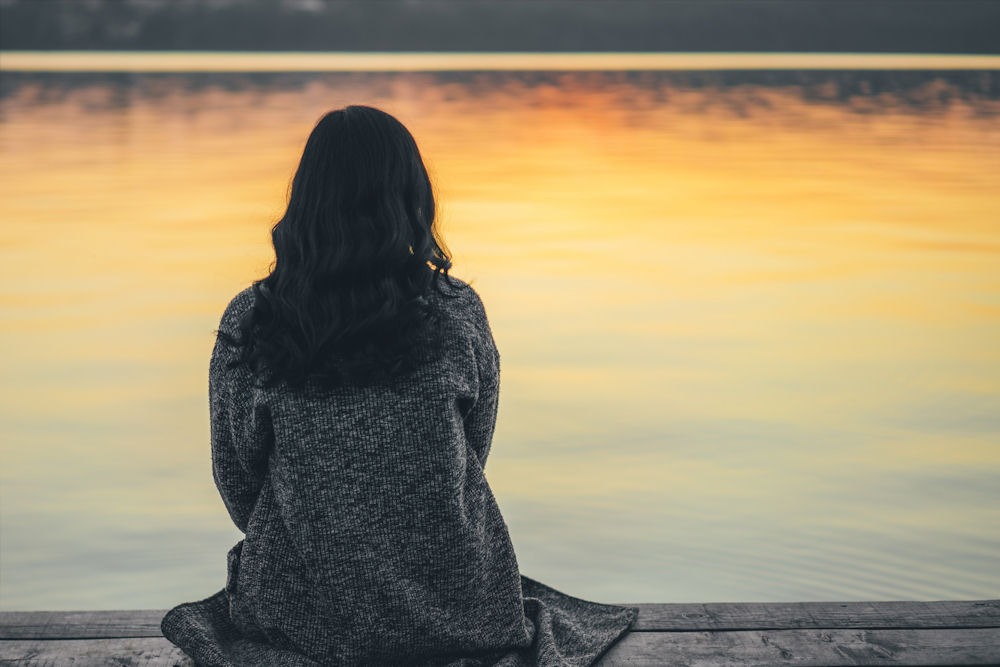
515 26
214 61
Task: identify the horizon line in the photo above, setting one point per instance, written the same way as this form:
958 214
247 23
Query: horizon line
424 61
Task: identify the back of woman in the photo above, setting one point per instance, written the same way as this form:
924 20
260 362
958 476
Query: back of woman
353 397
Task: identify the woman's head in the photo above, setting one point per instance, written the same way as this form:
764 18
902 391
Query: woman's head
360 203
355 254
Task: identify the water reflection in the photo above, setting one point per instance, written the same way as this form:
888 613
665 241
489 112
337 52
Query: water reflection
747 320
742 91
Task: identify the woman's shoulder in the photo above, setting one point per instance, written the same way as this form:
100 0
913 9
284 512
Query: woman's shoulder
464 318
243 299
454 295
236 309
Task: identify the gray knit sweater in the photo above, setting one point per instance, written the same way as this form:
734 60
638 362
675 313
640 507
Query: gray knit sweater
372 536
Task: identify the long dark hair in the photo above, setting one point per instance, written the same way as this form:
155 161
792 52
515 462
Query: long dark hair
356 254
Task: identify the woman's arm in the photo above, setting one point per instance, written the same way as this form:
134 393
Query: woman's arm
241 432
480 422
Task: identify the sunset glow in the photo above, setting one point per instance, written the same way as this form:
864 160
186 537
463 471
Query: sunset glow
736 309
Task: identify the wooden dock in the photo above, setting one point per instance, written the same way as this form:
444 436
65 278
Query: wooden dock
702 635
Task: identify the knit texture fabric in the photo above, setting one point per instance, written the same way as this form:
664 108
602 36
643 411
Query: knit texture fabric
371 534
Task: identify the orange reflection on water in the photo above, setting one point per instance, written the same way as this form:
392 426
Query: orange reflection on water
730 304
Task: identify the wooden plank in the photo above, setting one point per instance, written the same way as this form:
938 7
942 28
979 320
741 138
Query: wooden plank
792 615
804 648
134 652
673 617
80 624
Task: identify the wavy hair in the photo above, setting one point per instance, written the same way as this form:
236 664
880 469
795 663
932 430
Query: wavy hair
356 254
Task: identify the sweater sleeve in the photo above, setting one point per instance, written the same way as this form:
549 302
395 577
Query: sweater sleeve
241 431
480 422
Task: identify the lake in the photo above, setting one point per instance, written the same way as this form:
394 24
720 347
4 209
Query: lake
748 320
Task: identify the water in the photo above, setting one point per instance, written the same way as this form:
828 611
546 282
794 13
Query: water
748 321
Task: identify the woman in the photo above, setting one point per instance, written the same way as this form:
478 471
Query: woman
353 394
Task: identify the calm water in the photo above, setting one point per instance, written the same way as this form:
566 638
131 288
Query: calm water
748 321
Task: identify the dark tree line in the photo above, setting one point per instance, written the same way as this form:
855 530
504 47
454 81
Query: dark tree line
902 26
